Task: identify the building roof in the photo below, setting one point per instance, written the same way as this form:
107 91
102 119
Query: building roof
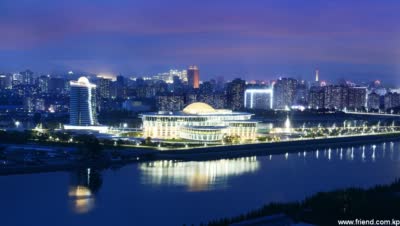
198 108
82 82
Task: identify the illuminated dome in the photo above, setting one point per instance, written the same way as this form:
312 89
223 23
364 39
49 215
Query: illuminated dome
83 80
198 108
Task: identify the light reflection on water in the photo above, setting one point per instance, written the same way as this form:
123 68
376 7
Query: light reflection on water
215 174
81 199
197 175
84 184
161 192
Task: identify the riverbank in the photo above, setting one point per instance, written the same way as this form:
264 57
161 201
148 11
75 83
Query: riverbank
44 158
120 156
281 147
327 208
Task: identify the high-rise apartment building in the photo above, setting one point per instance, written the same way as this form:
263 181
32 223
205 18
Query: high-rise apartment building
316 97
104 87
235 94
170 102
392 100
27 77
357 98
373 102
5 81
336 96
120 86
284 92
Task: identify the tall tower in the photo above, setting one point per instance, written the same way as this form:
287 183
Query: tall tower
193 76
317 75
82 110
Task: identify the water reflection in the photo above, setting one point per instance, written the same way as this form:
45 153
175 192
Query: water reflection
208 175
197 175
84 185
370 153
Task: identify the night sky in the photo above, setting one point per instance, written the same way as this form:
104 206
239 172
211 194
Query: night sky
356 40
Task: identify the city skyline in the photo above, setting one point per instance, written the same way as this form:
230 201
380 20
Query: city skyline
251 40
211 112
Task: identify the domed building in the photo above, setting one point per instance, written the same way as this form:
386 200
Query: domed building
199 122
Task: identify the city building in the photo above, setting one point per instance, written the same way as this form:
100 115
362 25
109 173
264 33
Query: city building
5 81
357 98
301 94
391 100
120 86
43 83
235 94
104 87
57 85
170 102
336 97
259 99
17 79
284 93
168 77
193 76
182 75
316 97
216 100
199 122
373 102
27 77
82 103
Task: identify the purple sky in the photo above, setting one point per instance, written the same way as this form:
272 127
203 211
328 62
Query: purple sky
247 38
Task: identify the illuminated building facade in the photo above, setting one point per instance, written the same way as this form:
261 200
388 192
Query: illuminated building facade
261 99
82 103
199 122
336 96
170 102
357 97
5 82
391 100
193 76
316 97
235 94
284 92
374 101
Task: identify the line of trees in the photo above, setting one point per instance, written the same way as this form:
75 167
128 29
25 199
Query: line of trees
325 208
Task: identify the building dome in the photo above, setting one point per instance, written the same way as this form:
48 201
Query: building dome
198 108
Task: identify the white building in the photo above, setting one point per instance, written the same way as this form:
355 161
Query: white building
199 122
82 109
261 99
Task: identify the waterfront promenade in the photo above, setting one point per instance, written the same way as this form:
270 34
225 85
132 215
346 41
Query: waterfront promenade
126 155
281 147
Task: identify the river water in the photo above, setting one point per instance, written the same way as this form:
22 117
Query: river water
177 193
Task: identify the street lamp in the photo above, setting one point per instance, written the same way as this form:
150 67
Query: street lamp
17 123
125 125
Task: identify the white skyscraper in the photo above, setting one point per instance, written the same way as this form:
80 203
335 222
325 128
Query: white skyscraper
83 103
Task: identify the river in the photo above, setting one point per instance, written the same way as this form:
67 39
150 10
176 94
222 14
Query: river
177 193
